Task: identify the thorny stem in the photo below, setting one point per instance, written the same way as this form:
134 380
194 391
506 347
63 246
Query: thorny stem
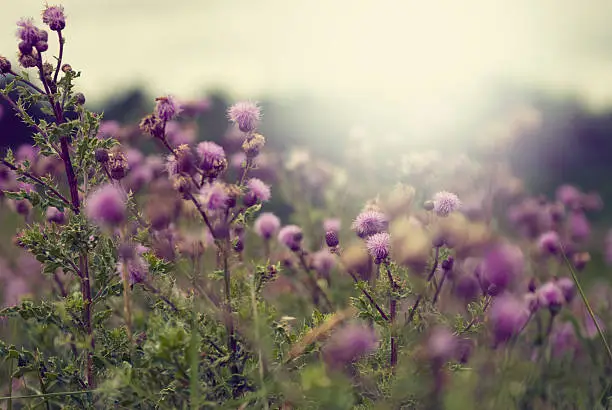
392 315
371 299
76 205
429 277
156 291
475 318
61 54
439 288
38 181
247 166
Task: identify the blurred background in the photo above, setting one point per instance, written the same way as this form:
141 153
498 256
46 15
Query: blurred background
401 75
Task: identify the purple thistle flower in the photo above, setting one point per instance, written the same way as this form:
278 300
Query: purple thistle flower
266 225
323 262
331 225
106 205
567 287
212 158
466 287
502 265
549 243
136 269
291 236
444 203
214 196
441 345
331 239
258 191
108 129
54 17
348 344
28 32
569 195
563 339
579 226
55 215
507 316
369 223
378 246
245 114
550 296
167 108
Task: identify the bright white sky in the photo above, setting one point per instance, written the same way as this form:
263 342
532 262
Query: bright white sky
420 54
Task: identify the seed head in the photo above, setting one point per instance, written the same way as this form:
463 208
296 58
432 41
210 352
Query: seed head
253 145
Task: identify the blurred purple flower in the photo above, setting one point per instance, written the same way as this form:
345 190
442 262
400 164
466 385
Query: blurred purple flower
323 262
266 225
507 316
257 191
55 215
108 129
214 196
331 224
550 296
106 205
136 269
441 345
501 267
579 226
567 287
569 195
348 344
212 158
563 339
291 236
549 243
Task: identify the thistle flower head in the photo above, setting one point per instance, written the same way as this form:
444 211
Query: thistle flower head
550 296
214 196
369 223
507 316
106 205
332 224
441 345
5 65
444 203
245 114
55 215
579 226
212 159
549 243
569 195
331 239
323 262
266 225
29 33
54 17
258 191
563 339
567 287
135 267
378 246
291 236
501 267
167 108
348 344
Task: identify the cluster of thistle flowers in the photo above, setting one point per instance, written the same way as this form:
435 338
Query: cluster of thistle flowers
481 265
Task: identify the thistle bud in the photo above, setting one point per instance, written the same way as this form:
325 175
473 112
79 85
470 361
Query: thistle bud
428 205
79 99
118 165
66 68
5 65
101 155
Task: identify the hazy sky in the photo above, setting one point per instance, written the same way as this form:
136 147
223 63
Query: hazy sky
422 54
